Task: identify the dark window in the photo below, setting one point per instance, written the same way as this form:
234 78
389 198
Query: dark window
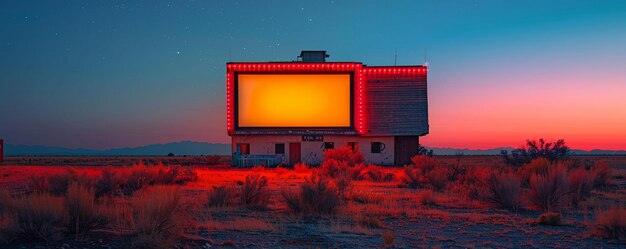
354 146
243 149
377 147
329 145
279 148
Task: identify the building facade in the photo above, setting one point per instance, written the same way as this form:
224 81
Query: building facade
290 112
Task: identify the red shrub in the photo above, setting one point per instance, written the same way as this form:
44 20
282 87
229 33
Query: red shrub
57 184
39 216
549 191
550 219
426 172
344 154
469 185
221 196
317 195
427 197
376 174
84 213
502 188
340 172
110 182
611 224
580 183
538 165
159 217
603 175
254 191
301 168
334 168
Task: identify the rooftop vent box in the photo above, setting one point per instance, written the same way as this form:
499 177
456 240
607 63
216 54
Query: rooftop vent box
313 56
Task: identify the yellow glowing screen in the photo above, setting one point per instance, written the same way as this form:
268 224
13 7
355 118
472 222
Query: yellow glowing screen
293 100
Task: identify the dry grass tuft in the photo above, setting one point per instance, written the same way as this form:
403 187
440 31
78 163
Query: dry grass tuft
550 219
345 154
221 196
370 222
254 191
503 188
603 175
83 212
538 165
159 217
611 224
426 172
388 238
317 195
377 174
427 197
39 216
57 184
580 183
301 168
549 191
365 197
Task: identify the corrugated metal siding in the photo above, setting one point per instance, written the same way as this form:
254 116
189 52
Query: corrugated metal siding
397 105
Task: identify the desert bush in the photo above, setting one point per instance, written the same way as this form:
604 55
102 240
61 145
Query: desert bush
6 200
301 168
377 174
469 185
366 197
370 221
140 176
603 175
110 182
280 170
388 238
610 224
221 196
344 154
57 184
427 197
503 189
317 195
426 172
334 168
553 151
8 230
213 160
254 191
549 191
185 175
159 217
535 166
340 172
83 211
39 216
412 177
580 183
550 219
425 162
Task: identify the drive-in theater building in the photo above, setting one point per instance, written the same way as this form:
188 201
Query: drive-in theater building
289 112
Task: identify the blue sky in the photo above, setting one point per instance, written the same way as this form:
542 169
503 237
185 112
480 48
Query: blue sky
101 74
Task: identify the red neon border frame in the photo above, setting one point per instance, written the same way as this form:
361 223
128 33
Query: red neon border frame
360 75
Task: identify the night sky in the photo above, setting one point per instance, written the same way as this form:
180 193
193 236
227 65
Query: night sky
102 74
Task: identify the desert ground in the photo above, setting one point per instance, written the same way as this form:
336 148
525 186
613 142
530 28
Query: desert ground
343 206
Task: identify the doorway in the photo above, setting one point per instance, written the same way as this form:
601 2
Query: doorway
294 153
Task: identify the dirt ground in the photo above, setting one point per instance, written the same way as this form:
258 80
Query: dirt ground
450 223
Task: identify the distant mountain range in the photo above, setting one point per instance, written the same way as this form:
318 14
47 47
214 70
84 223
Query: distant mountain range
177 148
201 148
496 151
